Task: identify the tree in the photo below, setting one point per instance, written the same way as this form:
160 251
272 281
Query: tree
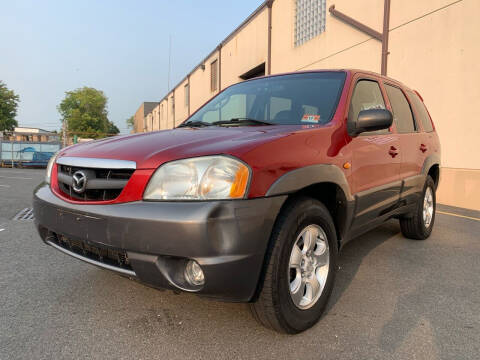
112 129
8 108
130 122
85 111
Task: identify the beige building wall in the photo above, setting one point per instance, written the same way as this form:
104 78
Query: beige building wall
245 50
445 69
181 107
163 114
156 118
141 122
340 46
170 110
434 46
200 90
138 119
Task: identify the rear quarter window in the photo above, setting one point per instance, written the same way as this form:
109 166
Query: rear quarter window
421 111
402 113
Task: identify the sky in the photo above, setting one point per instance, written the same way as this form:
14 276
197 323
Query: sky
119 47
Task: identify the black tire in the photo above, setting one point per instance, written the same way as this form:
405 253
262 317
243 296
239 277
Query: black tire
274 307
414 227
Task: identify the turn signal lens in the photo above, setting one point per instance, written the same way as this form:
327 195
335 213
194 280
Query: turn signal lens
240 183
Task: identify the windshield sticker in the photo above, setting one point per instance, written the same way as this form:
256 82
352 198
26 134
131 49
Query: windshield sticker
311 118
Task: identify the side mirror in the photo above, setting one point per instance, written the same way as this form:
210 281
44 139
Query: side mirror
372 120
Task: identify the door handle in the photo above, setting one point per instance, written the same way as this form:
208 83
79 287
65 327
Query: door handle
393 151
423 148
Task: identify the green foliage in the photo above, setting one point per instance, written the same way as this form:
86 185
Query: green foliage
85 111
112 129
130 122
8 108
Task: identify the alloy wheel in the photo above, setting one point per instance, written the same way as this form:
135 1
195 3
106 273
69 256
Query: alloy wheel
309 266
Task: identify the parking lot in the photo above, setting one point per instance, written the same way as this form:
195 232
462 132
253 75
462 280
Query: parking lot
394 299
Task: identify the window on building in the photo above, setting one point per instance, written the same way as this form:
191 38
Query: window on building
255 72
214 75
309 19
421 111
186 90
402 114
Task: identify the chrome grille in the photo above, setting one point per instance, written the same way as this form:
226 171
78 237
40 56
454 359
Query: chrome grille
100 183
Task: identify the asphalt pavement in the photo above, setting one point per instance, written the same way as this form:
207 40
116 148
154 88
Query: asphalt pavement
394 298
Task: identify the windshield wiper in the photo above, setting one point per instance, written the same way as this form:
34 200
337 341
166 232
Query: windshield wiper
194 124
242 121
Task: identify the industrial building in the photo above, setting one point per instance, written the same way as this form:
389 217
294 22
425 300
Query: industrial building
430 45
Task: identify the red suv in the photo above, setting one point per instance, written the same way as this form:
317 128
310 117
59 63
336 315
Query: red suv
252 197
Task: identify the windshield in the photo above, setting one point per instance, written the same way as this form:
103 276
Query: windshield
306 98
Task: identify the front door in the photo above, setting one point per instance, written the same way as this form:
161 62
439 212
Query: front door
375 160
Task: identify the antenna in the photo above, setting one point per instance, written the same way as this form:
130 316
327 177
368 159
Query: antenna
169 61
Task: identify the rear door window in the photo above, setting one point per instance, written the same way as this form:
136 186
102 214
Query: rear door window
421 111
402 114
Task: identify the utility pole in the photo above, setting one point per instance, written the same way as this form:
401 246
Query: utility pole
383 36
169 61
64 133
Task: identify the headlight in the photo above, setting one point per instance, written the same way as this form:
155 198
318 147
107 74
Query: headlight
201 178
48 175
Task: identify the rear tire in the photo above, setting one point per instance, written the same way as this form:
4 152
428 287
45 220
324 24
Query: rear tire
420 225
302 263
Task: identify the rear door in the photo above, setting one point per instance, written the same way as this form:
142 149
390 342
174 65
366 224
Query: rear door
412 143
375 159
423 119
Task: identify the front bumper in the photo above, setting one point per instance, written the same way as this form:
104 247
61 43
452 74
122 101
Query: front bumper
227 238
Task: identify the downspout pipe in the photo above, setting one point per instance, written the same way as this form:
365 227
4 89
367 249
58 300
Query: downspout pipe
219 48
269 37
173 107
188 82
386 27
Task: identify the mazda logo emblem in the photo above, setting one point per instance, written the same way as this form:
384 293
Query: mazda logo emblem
79 182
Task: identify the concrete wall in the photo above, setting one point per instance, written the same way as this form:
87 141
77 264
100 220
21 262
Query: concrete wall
434 48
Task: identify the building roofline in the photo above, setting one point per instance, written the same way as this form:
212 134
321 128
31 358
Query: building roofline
253 15
39 132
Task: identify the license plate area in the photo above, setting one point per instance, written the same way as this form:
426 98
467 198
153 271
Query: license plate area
81 227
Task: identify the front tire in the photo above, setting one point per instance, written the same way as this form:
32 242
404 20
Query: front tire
420 225
302 263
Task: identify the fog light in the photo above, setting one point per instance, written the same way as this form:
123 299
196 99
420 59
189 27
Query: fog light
194 273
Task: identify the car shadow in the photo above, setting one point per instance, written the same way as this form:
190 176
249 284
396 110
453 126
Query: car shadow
352 255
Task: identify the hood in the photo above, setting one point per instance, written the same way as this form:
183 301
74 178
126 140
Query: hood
149 150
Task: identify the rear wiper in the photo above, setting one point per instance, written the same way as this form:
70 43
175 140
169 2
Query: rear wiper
194 124
242 121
